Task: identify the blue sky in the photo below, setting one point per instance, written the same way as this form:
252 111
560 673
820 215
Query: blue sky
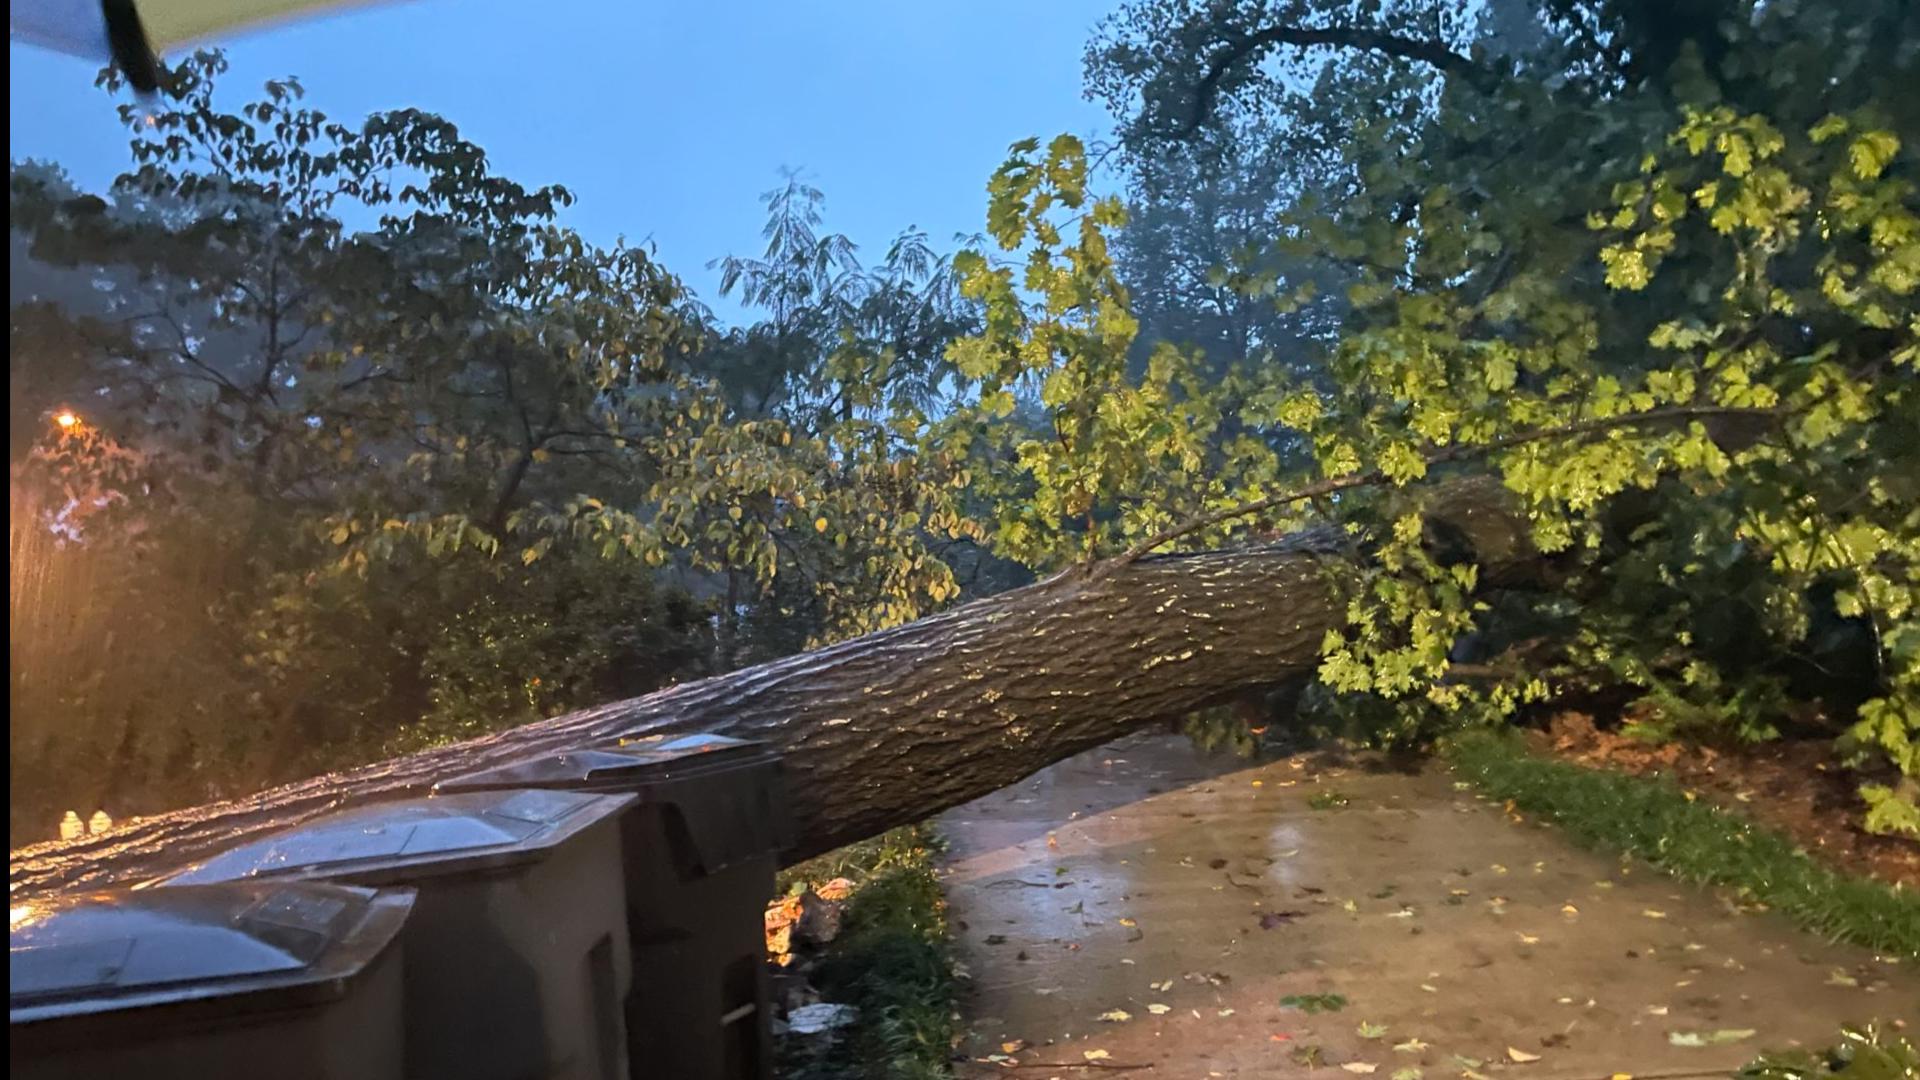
666 119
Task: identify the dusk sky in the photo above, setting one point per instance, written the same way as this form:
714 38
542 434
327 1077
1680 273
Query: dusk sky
667 120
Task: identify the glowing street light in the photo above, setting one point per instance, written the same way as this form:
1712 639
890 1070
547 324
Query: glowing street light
67 419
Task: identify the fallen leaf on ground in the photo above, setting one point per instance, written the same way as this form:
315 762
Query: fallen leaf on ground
1709 1038
1411 1046
1408 1073
1158 1009
1224 1013
1095 1055
1013 1047
1116 1016
1361 1067
1370 1030
1519 1056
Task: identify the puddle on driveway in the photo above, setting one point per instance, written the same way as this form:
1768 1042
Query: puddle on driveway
1194 893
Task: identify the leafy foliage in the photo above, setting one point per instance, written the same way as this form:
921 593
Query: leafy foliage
1621 259
1870 1050
376 454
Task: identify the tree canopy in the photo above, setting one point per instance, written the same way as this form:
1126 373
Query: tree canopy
368 450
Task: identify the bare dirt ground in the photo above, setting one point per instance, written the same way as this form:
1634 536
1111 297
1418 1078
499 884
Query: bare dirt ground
1796 787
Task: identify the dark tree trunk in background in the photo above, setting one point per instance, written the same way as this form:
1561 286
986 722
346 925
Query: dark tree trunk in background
890 728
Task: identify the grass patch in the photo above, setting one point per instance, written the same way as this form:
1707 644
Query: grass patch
1654 820
892 961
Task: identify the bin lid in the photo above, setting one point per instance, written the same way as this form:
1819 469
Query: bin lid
425 837
627 765
137 948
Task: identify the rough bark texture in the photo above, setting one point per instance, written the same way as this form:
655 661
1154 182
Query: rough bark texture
892 727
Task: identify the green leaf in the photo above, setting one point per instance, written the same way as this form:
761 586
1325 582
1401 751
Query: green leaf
1871 152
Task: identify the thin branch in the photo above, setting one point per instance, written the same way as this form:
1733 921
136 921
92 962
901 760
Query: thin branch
1438 457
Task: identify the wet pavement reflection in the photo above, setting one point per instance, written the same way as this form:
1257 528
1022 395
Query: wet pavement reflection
1147 905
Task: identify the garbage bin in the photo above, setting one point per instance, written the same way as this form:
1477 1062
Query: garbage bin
517 957
701 846
211 982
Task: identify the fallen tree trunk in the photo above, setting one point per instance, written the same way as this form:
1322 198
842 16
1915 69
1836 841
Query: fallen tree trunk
895 726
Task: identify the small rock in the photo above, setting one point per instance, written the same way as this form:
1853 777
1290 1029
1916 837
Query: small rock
819 920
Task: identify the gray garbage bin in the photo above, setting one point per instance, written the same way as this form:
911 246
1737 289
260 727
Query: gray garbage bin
210 982
517 957
701 846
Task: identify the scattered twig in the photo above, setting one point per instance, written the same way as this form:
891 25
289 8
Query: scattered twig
1110 1066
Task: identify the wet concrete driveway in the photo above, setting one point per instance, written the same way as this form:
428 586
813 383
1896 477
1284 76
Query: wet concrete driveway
1145 905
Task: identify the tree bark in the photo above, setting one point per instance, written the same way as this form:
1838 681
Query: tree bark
893 727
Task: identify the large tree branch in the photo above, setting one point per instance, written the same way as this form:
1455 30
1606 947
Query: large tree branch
895 726
1442 456
1241 48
